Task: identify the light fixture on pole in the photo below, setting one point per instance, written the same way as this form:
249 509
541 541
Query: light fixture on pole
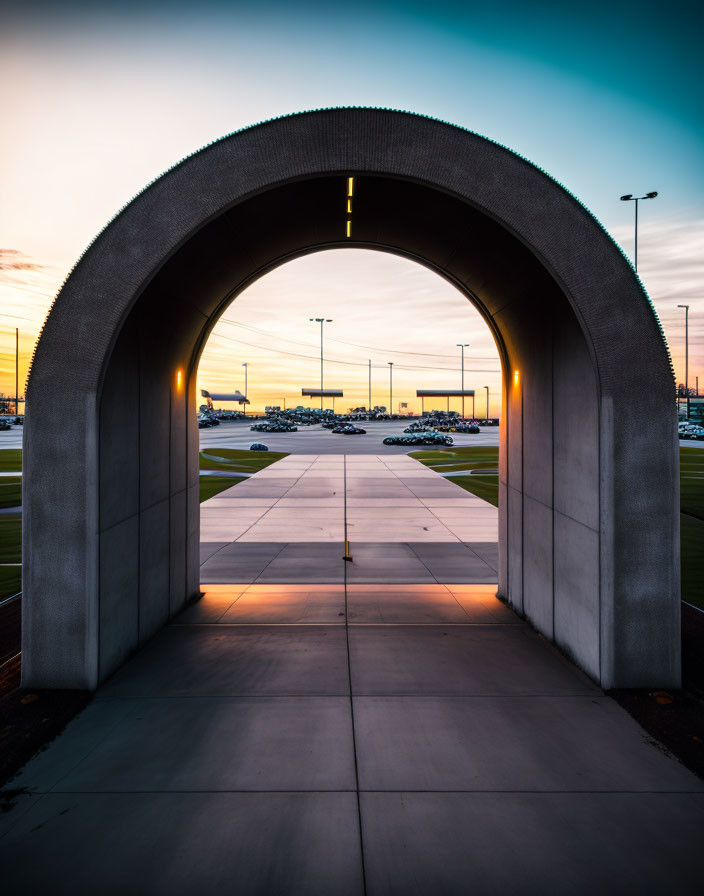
391 386
686 354
462 346
487 403
321 321
245 388
630 198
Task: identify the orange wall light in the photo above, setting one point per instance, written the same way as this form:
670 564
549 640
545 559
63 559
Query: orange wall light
516 377
179 379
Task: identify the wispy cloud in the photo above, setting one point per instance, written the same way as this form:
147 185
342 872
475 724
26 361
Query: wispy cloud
671 266
14 260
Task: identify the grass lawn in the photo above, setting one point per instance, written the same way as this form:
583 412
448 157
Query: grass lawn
10 537
232 460
692 556
451 460
10 491
11 460
692 481
235 460
212 485
10 581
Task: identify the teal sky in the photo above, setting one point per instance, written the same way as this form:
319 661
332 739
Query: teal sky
99 99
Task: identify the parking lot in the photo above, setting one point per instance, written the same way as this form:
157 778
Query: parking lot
316 440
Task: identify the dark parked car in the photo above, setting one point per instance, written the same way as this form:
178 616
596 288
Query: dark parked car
257 446
429 437
349 429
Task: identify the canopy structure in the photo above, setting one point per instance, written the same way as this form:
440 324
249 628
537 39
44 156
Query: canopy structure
444 393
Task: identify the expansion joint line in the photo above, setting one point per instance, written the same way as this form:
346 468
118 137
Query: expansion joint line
349 684
347 556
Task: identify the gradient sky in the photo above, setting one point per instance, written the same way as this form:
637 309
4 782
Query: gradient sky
99 99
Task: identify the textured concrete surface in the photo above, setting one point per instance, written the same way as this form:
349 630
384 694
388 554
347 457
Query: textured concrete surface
353 739
405 524
574 329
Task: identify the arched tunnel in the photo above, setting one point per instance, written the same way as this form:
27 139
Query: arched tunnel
588 463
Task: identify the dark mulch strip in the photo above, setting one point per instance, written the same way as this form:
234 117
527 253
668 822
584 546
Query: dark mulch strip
676 718
29 720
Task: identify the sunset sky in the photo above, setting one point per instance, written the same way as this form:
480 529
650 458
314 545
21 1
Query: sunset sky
99 99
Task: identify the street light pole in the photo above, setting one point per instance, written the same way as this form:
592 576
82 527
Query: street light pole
686 353
245 388
487 403
321 321
370 386
630 198
462 346
391 386
17 371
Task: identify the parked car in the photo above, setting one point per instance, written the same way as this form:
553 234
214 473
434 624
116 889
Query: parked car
273 426
4 425
257 446
691 431
428 437
349 429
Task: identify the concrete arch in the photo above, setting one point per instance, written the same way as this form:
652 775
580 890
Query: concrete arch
588 471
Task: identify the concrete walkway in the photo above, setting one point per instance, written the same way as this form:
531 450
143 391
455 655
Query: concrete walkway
351 738
405 523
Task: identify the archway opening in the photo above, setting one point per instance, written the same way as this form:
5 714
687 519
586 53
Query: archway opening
396 489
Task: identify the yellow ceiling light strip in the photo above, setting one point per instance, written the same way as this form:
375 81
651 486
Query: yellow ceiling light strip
350 193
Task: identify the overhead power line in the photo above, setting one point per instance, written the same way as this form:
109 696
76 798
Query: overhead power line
373 348
280 351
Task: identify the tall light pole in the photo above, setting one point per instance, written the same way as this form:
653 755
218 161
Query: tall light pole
391 386
686 353
630 198
487 403
17 371
321 321
462 346
370 386
245 388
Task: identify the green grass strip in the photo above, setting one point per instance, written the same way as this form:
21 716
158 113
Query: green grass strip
11 460
692 482
692 555
484 487
213 485
10 491
10 581
11 538
237 461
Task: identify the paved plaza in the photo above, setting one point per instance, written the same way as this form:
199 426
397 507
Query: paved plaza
405 524
381 726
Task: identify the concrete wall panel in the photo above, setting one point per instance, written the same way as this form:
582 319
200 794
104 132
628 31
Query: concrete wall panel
577 605
178 540
154 569
119 594
537 565
514 505
119 436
